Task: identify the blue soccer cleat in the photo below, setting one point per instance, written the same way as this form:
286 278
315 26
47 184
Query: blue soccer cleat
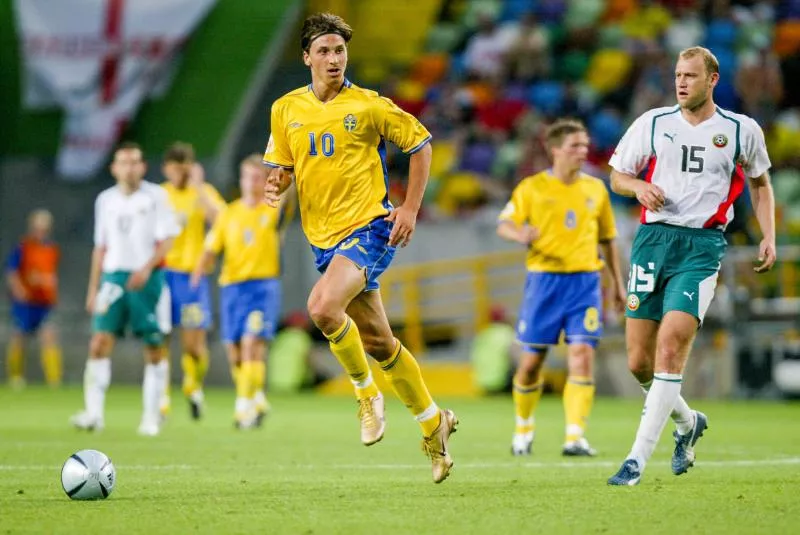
628 474
683 456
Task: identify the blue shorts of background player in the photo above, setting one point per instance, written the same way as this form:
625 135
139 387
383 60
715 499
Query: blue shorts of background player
367 247
191 307
556 302
28 317
250 308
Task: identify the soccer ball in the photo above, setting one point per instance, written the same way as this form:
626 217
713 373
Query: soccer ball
88 475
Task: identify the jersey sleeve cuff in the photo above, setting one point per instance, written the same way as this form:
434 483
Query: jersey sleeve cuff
277 165
420 145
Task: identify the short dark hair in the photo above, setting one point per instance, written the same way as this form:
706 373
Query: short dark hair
321 24
129 145
179 152
560 129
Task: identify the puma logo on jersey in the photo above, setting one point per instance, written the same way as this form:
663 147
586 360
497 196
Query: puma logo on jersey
689 295
670 137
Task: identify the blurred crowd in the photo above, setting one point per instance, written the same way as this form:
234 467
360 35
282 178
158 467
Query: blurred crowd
496 72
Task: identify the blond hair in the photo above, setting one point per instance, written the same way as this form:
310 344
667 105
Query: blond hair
709 59
254 160
40 215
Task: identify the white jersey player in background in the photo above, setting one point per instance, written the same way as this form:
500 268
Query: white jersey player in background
698 157
134 229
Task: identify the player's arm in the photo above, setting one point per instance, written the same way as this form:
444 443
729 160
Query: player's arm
278 181
98 254
512 224
204 265
610 253
404 216
13 278
165 231
763 200
629 159
210 200
213 246
286 209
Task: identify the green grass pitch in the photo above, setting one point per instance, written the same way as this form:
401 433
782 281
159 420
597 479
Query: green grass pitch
305 472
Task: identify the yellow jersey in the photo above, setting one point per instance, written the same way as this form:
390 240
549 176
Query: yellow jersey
191 217
249 236
338 152
571 218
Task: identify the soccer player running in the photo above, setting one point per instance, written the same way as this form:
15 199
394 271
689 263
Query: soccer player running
333 135
196 204
248 231
698 156
32 279
133 230
561 215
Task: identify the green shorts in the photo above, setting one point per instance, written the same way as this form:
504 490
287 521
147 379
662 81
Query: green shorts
673 268
117 308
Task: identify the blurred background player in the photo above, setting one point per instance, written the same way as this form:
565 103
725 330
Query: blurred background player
248 232
332 134
561 215
32 279
133 230
196 204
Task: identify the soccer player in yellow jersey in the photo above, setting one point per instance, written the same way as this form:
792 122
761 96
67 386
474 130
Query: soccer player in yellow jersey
332 135
196 204
248 231
561 215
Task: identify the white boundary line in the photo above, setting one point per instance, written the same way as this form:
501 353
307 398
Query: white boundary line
786 461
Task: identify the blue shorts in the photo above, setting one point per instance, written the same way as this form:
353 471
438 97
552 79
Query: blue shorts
29 317
367 247
556 302
191 307
250 308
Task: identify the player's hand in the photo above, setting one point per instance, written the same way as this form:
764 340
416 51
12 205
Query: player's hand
91 297
194 280
19 293
138 278
766 256
272 191
620 297
197 176
405 221
527 235
650 196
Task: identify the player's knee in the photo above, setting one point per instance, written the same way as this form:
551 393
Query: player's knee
326 313
100 345
581 358
153 354
530 366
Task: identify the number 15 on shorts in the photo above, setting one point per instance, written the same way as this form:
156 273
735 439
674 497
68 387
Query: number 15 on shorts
642 279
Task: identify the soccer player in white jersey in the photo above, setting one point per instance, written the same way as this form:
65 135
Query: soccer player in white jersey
698 157
133 230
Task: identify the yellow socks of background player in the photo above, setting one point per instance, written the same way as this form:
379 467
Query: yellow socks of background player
52 365
258 375
403 373
346 345
201 368
189 367
526 398
578 400
15 362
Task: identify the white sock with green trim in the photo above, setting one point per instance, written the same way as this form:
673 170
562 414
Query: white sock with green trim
660 402
682 414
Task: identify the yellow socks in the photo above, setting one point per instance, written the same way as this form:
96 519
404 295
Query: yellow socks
52 365
578 400
258 370
189 367
15 361
526 398
403 373
346 346
201 368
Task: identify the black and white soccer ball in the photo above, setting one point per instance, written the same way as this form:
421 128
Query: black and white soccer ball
88 475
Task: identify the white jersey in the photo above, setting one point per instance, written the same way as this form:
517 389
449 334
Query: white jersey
701 169
129 227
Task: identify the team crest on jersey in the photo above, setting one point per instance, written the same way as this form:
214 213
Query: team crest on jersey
350 122
720 140
633 302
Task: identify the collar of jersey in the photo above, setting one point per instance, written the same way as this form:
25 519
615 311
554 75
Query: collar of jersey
346 83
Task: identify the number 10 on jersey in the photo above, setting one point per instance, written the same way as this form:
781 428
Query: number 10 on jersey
326 144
